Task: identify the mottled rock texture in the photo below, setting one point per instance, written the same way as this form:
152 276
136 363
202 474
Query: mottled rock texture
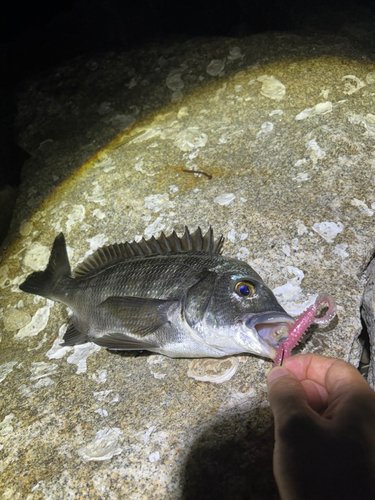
281 130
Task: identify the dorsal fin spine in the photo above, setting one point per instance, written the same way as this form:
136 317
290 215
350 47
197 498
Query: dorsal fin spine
187 238
156 244
197 238
165 242
163 245
146 246
137 247
130 249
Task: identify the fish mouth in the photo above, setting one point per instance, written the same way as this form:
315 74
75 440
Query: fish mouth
272 327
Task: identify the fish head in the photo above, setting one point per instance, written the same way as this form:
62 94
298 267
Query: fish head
242 313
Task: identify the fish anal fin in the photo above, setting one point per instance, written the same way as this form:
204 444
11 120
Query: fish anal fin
138 316
121 342
73 336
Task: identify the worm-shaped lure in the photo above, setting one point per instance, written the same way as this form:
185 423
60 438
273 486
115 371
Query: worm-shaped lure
299 327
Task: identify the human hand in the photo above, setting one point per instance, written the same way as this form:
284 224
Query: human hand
324 415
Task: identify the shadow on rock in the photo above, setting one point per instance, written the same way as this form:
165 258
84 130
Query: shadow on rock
233 460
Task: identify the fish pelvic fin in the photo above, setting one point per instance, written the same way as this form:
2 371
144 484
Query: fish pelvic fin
44 282
73 336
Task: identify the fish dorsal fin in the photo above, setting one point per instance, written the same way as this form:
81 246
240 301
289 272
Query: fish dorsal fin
163 245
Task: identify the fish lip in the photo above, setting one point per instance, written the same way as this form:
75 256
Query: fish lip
275 320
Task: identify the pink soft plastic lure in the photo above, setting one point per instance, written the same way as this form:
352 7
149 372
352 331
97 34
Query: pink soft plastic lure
299 327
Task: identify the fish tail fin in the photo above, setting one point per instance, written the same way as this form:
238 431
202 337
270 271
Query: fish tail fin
44 282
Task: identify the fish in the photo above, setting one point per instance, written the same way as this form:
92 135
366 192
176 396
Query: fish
176 296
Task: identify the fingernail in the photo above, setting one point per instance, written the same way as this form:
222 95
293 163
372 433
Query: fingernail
277 372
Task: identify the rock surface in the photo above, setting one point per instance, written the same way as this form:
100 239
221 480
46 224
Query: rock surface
281 130
368 315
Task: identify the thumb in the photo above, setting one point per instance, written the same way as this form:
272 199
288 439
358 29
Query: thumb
286 395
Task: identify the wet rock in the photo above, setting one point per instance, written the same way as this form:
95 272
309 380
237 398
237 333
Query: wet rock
368 314
268 139
15 319
8 197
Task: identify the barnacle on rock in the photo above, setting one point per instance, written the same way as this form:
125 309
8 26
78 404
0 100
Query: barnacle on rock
215 370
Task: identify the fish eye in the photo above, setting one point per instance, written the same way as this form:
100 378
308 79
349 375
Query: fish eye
244 289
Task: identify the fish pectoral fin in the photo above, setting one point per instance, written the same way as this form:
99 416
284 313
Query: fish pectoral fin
73 336
121 342
138 316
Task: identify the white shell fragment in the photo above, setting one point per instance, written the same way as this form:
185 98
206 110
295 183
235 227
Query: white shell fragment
243 253
5 369
15 319
328 230
80 355
290 295
293 274
278 112
101 395
369 122
41 370
319 109
265 128
96 242
224 199
98 214
104 446
190 139
174 81
156 227
156 359
58 351
43 382
5 426
301 177
97 194
353 85
37 324
26 227
341 250
3 275
215 67
121 121
157 202
154 457
235 53
146 436
362 207
212 369
101 412
316 152
271 87
105 108
36 256
77 215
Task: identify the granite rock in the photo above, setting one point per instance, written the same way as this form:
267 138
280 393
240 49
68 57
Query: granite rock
368 315
269 139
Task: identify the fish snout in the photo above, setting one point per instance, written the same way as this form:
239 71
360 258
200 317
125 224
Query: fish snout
272 327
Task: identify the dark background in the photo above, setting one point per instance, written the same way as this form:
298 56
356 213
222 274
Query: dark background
36 35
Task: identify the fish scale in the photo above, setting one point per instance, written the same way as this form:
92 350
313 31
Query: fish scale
177 296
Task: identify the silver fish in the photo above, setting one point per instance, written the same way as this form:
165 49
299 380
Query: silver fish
177 296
